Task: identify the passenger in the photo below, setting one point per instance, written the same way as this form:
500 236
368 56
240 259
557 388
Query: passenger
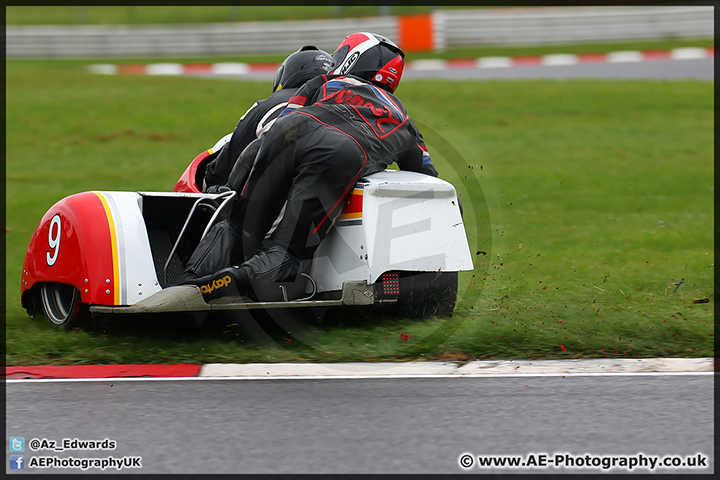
338 128
302 65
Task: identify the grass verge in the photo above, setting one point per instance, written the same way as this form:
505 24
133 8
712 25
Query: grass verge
597 197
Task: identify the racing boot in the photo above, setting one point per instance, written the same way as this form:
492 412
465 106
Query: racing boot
275 275
226 282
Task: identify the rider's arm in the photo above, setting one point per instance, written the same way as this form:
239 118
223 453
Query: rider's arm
307 94
417 158
218 170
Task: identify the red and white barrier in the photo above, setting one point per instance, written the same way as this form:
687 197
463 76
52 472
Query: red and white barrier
239 69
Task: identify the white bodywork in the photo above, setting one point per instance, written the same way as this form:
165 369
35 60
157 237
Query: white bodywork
409 222
136 277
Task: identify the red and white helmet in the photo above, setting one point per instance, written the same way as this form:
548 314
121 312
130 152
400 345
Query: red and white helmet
371 57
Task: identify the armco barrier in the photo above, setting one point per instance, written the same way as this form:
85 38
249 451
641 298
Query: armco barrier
221 39
550 25
443 29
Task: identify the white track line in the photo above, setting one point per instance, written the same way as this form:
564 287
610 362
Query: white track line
363 377
477 369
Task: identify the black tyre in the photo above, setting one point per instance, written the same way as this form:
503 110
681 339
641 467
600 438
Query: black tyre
61 304
426 294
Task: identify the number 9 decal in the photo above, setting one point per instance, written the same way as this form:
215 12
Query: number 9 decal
53 240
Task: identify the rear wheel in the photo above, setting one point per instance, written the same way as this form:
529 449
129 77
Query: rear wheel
60 303
426 294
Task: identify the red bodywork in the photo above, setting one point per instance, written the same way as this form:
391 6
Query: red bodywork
76 224
188 180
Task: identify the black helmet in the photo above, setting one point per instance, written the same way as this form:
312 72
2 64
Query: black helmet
301 66
371 57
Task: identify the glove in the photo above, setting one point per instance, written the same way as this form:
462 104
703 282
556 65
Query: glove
217 189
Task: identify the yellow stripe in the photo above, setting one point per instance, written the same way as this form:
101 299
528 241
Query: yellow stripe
345 216
113 243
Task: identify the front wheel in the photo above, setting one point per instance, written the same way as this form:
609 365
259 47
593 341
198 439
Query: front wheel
61 304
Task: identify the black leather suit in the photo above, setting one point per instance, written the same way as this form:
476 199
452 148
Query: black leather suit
335 130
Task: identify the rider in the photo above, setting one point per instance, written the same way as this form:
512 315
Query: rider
302 65
336 129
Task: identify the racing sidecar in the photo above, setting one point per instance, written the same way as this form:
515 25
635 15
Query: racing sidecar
400 241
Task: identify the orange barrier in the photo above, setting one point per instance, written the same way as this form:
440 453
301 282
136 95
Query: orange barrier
415 33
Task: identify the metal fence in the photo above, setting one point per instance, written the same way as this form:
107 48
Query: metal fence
452 28
544 26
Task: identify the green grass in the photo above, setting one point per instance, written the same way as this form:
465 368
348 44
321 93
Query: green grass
591 200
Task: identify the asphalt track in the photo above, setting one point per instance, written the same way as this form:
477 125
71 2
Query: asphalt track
699 69
674 64
404 424
692 69
381 425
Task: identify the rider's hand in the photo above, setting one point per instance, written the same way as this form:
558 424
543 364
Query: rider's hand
217 189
